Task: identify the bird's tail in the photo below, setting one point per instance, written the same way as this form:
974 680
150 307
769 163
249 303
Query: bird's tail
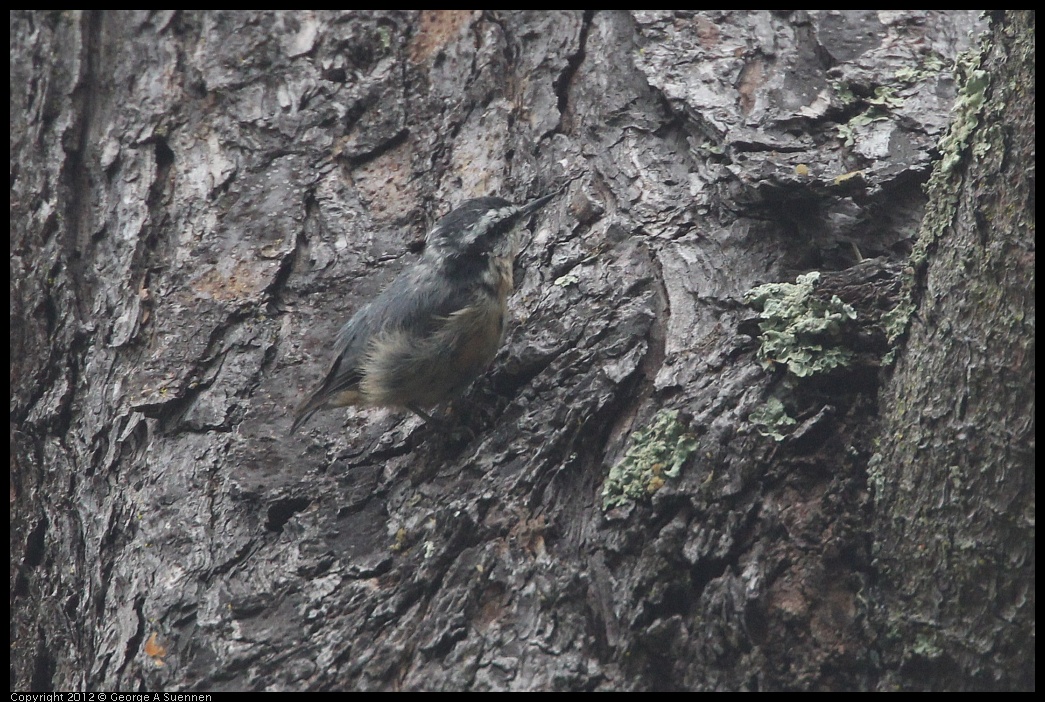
305 410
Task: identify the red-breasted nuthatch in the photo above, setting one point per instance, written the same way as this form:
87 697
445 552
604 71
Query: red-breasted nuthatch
438 325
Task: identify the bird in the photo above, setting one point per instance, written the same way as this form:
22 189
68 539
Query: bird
438 325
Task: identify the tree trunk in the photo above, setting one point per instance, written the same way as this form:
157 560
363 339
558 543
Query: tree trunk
668 478
954 477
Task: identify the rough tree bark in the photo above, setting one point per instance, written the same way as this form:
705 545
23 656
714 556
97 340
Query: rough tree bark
954 522
648 494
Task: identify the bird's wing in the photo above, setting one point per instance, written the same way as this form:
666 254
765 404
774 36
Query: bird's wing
401 306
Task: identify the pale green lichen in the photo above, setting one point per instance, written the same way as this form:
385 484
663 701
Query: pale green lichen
799 329
926 646
657 452
931 66
885 96
944 184
771 418
967 109
847 132
844 93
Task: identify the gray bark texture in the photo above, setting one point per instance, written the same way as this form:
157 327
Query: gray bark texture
670 478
